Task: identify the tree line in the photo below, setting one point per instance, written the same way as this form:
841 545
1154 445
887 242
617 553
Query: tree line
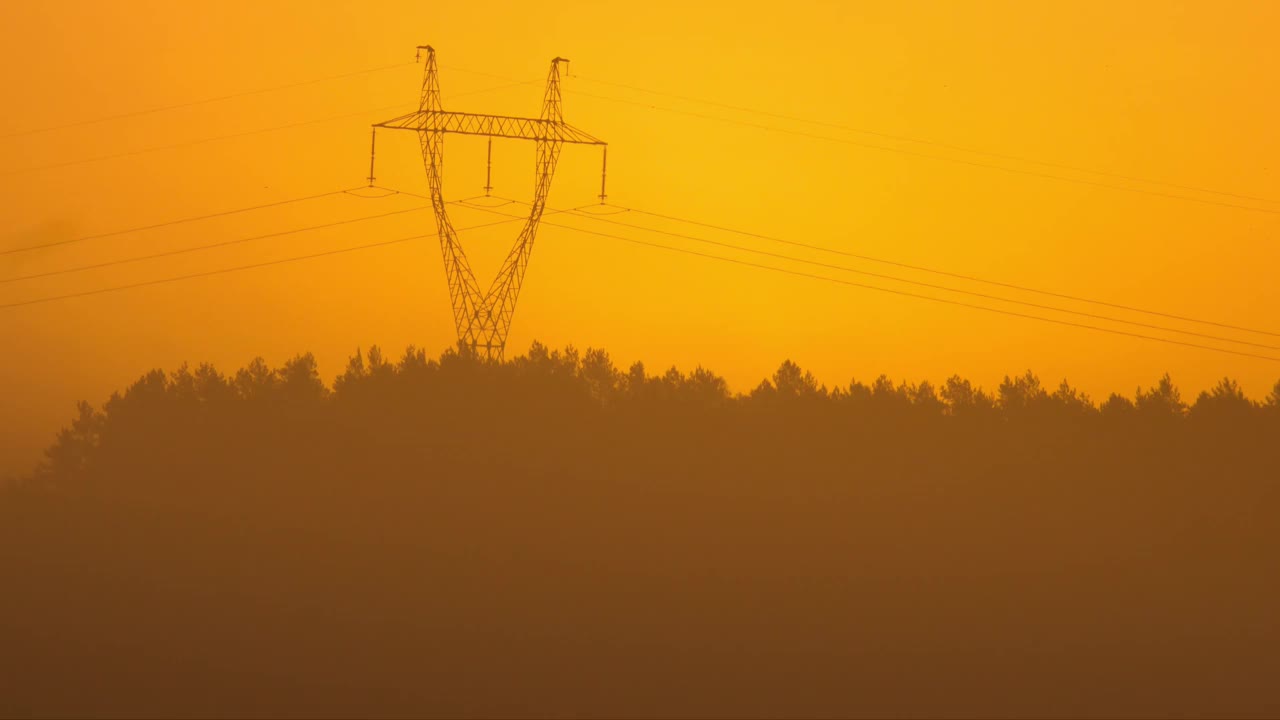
554 535
590 382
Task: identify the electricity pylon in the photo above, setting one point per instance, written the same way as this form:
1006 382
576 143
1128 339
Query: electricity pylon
483 318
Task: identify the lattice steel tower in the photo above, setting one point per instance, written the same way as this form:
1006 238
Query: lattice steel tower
483 318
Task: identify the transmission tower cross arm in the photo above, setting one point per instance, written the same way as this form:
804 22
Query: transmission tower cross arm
501 126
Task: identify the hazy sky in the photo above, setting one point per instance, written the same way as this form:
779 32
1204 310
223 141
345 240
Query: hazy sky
1180 93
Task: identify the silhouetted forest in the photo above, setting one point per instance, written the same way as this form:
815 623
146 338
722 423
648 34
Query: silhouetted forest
555 536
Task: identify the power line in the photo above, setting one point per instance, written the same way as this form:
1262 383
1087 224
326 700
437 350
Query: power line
210 246
905 293
921 141
929 285
1095 316
198 141
479 73
902 293
178 221
205 101
514 218
946 273
943 158
41 246
220 271
917 283
230 136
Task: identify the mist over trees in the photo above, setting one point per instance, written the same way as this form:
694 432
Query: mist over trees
374 396
555 535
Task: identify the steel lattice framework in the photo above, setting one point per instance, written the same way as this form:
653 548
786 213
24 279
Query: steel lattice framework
483 318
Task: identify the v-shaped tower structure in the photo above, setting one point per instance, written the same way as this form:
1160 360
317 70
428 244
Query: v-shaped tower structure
483 317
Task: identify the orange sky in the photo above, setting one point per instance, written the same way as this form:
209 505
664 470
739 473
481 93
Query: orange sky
1176 92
